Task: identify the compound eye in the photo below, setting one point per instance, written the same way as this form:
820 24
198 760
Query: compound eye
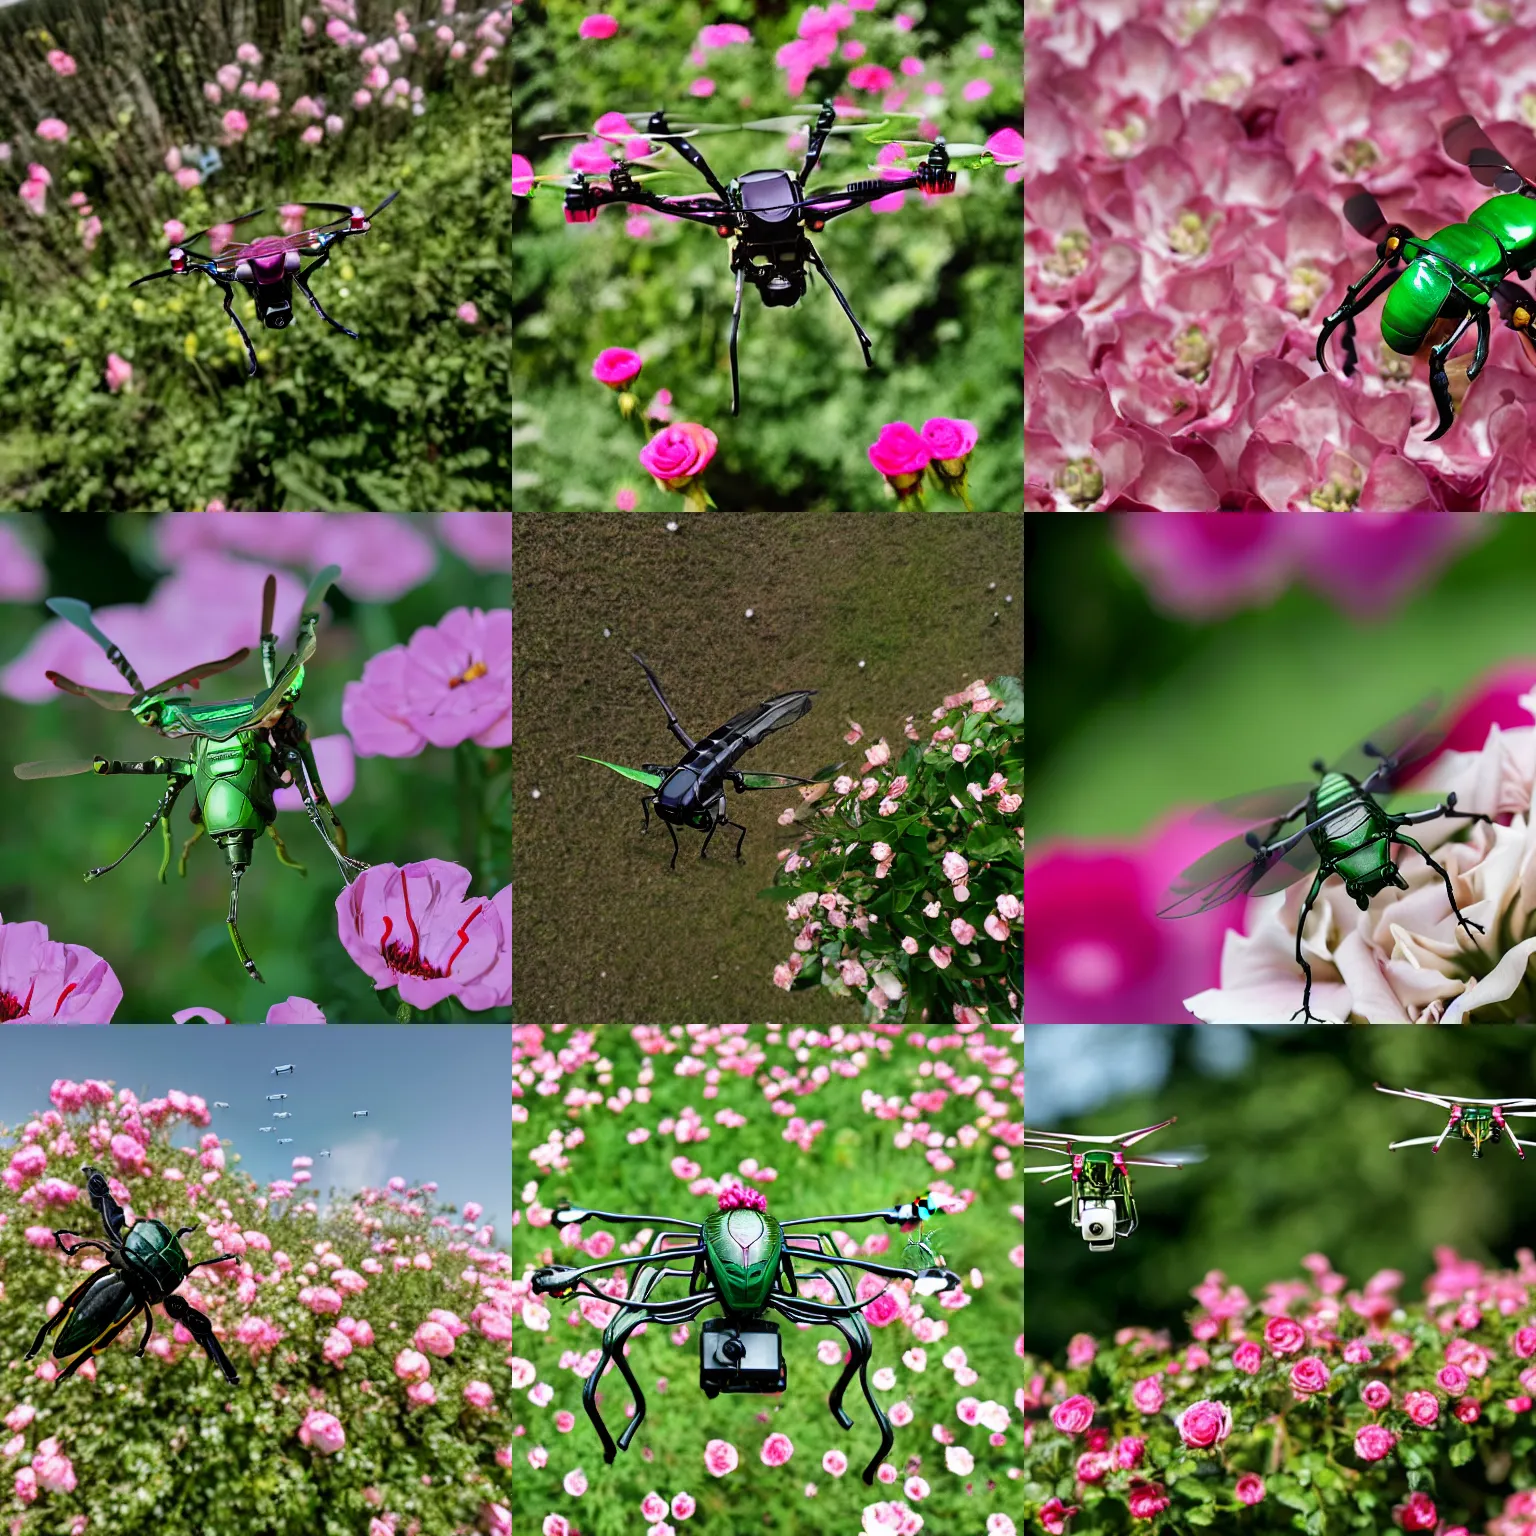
243 272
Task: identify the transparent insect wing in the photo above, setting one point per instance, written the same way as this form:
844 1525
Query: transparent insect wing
1392 750
1259 805
1234 869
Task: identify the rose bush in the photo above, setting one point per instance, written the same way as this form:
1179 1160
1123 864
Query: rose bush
1359 1433
669 1121
312 1317
907 886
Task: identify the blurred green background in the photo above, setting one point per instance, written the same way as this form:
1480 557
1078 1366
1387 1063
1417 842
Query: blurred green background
168 944
604 929
411 416
935 285
1297 1162
1133 713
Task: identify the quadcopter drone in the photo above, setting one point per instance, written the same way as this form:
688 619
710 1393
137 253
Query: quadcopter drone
1103 1207
269 266
767 212
1475 1120
740 1254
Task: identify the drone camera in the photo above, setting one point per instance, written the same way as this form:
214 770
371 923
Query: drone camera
740 1357
1097 1223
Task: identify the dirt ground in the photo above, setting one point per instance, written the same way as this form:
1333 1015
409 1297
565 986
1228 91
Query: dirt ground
603 931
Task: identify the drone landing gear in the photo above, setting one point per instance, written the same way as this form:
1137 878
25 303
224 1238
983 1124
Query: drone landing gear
837 293
735 326
250 351
302 279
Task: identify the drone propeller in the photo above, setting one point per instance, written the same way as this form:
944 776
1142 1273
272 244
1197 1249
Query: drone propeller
962 157
567 179
225 224
191 266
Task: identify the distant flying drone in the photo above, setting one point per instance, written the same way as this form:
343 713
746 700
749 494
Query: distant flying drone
325 1151
283 1114
269 266
1103 1207
278 1071
285 1141
273 1097
767 212
358 1113
220 1104
1475 1120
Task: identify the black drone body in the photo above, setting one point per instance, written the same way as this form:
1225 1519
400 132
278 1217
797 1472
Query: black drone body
269 266
767 213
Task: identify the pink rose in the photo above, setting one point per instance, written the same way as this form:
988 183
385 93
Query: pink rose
597 26
1468 1410
1147 1500
1248 1357
1422 1407
60 62
1250 1488
720 1457
1147 1395
898 451
1204 1424
616 366
777 1449
1308 1376
948 439
1129 1452
53 128
678 454
1453 1379
1054 1516
235 123
1372 1442
468 313
1073 1416
884 1310
1376 1395
119 372
1006 146
1417 1513
1524 1343
1284 1335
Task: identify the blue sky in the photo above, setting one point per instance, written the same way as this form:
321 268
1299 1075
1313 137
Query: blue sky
438 1096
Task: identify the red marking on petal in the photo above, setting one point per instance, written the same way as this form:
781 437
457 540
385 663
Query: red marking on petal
405 891
62 995
463 939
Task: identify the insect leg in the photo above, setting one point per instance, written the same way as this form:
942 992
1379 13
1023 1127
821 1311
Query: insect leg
268 634
1350 307
350 868
725 821
837 293
85 1242
282 852
646 801
705 849
186 847
673 831
201 1329
235 871
250 351
1447 809
1440 869
1439 385
313 770
735 327
1301 923
162 813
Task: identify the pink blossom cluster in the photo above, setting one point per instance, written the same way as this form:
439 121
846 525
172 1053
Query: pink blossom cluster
1458 1353
1187 241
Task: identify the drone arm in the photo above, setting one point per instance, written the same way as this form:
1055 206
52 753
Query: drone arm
586 201
692 156
571 1277
825 120
563 1217
857 194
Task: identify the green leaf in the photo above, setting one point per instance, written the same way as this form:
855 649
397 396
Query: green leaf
638 775
1462 1452
1011 690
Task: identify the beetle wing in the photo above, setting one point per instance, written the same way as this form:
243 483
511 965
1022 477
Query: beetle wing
651 780
1390 753
59 770
1235 868
771 781
102 696
1282 801
103 1307
207 669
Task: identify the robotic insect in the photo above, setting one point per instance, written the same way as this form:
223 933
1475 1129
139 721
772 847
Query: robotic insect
767 212
739 1255
1449 277
692 794
1474 1120
269 266
1103 1207
145 1265
1344 832
243 750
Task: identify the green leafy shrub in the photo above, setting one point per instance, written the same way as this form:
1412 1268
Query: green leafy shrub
908 886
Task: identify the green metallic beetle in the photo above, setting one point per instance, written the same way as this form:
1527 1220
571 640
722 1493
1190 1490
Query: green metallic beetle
1450 276
740 1254
1345 832
1479 1121
243 750
145 1265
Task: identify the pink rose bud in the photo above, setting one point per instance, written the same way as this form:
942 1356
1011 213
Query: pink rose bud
901 456
616 366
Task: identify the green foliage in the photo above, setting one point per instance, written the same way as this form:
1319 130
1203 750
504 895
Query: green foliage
934 816
411 416
935 285
164 1447
576 1143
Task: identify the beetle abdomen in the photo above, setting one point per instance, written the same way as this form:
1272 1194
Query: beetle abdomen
100 1312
